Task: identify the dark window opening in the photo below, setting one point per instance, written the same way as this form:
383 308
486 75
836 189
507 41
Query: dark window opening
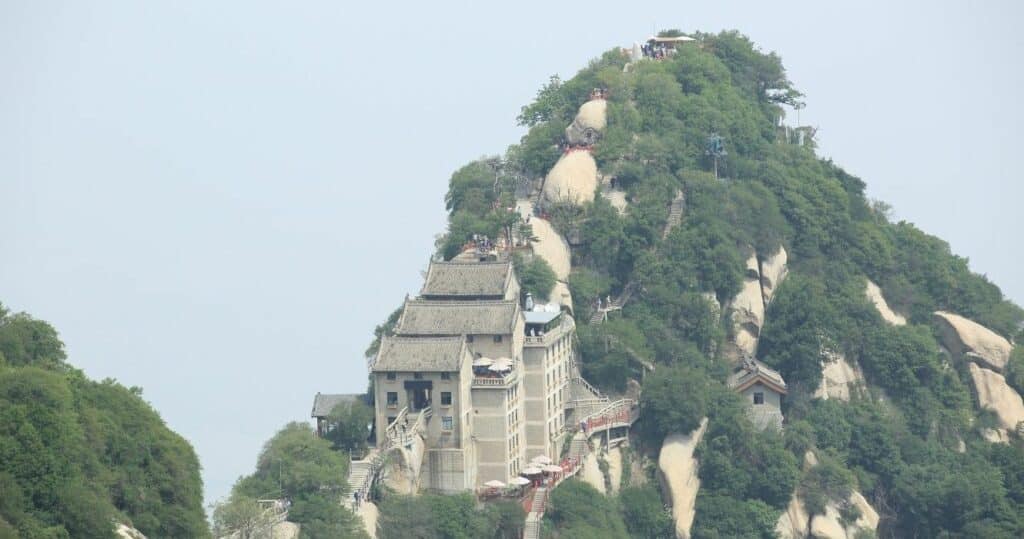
392 398
497 338
469 338
420 399
391 376
446 398
446 376
417 375
758 397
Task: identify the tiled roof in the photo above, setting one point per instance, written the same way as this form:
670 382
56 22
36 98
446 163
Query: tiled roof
466 279
323 403
424 354
484 317
751 370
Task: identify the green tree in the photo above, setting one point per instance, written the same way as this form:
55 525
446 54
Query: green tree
347 426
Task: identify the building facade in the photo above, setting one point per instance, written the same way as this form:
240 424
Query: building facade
483 373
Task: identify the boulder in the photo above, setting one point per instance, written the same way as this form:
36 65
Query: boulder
552 247
589 123
875 295
773 272
996 395
573 179
285 530
973 341
678 473
839 377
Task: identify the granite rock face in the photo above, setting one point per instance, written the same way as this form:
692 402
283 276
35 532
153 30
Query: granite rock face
678 469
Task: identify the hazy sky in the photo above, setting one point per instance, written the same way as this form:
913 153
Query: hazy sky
217 201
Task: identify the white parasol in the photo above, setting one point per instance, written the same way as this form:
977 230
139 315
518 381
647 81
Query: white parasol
494 483
541 459
532 470
483 362
519 481
553 468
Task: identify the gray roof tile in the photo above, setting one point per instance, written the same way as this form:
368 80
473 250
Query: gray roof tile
466 279
424 354
483 317
323 403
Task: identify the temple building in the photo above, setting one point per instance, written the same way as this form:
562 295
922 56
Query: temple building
479 373
763 388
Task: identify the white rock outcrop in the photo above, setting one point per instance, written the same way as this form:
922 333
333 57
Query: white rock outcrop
614 460
973 341
874 294
590 472
589 123
678 473
560 295
795 523
573 179
617 199
996 395
773 272
839 377
748 310
552 247
402 471
368 513
125 531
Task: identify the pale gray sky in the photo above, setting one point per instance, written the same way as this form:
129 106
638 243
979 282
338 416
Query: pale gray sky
218 201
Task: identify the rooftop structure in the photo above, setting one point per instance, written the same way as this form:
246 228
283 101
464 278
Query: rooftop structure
421 354
470 280
433 317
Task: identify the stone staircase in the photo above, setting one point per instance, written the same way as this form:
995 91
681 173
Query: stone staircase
532 528
360 476
675 214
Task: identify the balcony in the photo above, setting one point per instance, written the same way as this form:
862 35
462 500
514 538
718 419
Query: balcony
495 380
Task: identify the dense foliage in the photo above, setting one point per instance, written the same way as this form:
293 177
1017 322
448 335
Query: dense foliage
299 467
433 516
76 456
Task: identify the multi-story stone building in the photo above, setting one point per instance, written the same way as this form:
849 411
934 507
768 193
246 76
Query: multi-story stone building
492 373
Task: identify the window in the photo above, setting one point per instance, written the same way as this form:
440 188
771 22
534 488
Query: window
758 397
447 422
497 338
392 398
469 338
446 398
446 376
417 375
391 376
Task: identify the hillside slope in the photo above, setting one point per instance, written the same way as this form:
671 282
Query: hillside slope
78 457
778 254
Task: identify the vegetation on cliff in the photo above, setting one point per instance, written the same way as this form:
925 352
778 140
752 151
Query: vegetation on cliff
78 456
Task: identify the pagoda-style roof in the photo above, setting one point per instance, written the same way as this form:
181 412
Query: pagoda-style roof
482 280
432 317
751 371
421 354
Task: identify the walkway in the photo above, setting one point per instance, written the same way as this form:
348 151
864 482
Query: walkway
363 473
